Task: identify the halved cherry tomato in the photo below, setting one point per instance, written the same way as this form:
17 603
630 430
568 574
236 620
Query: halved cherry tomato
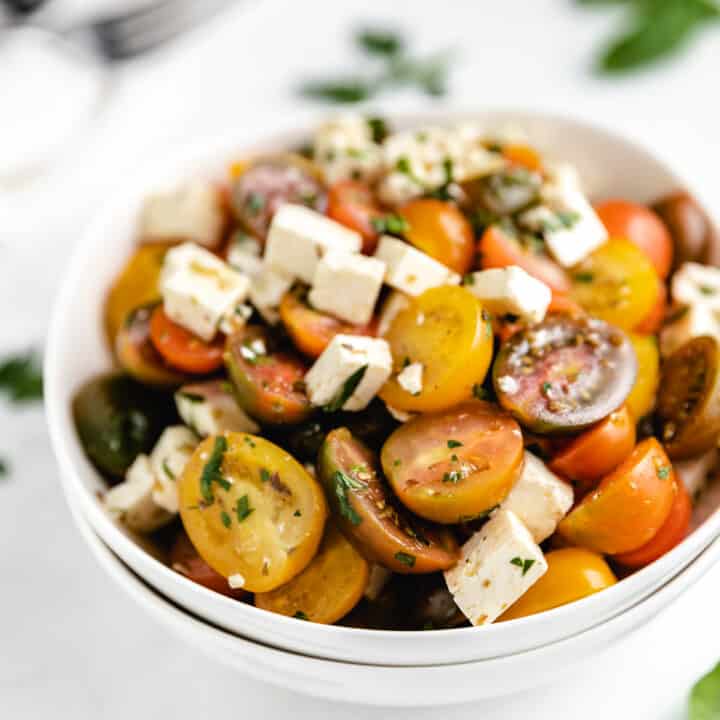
327 589
439 229
672 533
628 507
641 399
310 330
640 225
617 283
498 249
654 319
184 559
370 517
447 331
454 465
598 451
268 384
523 155
353 204
251 510
563 303
181 348
572 574
564 374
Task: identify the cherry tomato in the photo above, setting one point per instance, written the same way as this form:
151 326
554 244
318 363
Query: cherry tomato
441 231
523 155
596 452
572 574
370 517
327 589
181 348
456 464
672 533
564 374
641 399
629 505
184 559
499 249
446 330
353 204
251 510
268 384
310 330
617 283
640 225
653 321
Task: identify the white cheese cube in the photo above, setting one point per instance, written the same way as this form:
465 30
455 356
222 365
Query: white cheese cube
539 498
299 236
192 213
410 378
343 360
167 460
410 270
694 283
693 321
132 500
694 473
393 305
243 254
497 565
210 408
347 286
267 290
199 289
511 290
564 177
236 320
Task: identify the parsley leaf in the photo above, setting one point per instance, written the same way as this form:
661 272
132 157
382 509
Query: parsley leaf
211 472
523 563
705 697
350 90
21 377
391 223
663 472
226 519
4 468
243 509
454 444
379 42
479 392
346 391
405 559
344 482
300 615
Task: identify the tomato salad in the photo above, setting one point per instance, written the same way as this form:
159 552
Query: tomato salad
408 380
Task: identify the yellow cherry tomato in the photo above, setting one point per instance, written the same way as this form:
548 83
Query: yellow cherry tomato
641 399
251 510
136 285
447 331
572 574
617 283
327 589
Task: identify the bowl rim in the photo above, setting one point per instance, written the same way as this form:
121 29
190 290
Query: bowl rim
280 134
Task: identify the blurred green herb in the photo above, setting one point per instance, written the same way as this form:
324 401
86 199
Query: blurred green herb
21 377
655 29
705 697
397 69
4 468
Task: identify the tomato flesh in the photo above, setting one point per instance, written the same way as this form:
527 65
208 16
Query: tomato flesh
352 204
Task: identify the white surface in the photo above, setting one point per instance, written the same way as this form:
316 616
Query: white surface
62 620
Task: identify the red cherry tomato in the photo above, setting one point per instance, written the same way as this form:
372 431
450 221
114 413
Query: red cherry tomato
352 203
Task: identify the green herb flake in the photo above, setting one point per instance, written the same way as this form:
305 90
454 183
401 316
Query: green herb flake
664 472
405 559
468 279
523 563
242 508
342 483
479 392
546 387
297 513
452 476
265 475
21 377
378 128
226 519
704 701
4 468
584 277
255 203
390 224
454 444
397 462
167 470
707 290
346 391
211 472
343 91
300 615
379 42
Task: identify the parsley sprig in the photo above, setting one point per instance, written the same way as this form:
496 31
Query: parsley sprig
212 473
21 377
346 391
704 701
344 482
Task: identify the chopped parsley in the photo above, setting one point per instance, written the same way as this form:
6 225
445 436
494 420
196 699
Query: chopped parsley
297 513
663 472
391 223
479 392
300 615
346 391
584 277
546 387
255 203
397 462
4 468
243 509
454 444
344 482
379 42
264 475
167 470
378 128
468 279
226 519
211 472
523 563
21 377
405 559
707 290
452 476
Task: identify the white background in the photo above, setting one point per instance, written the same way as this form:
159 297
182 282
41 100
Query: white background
71 645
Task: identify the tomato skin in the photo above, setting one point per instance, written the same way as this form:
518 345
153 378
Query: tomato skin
352 204
640 225
641 399
498 250
439 229
672 533
181 349
598 451
629 505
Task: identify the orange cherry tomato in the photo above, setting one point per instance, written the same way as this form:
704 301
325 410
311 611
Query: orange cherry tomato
181 349
672 533
439 229
498 249
641 399
641 226
310 330
523 155
352 203
597 451
629 505
654 319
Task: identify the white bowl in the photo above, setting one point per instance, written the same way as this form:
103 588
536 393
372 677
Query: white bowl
392 685
609 166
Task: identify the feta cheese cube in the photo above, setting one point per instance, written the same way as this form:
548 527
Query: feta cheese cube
132 500
410 378
539 498
210 408
236 320
236 581
299 236
267 290
347 286
694 473
394 304
167 460
693 321
192 213
511 290
346 357
243 254
694 283
199 289
497 565
410 270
